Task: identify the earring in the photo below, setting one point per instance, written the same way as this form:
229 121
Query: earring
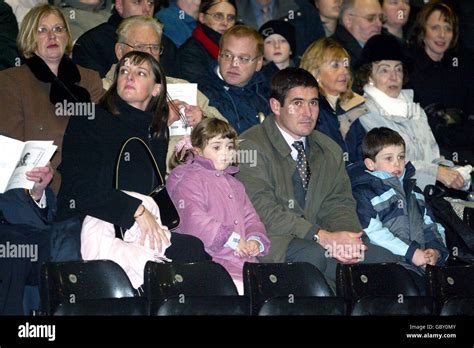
371 83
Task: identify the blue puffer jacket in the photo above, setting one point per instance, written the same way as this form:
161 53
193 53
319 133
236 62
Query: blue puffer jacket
329 124
240 105
393 213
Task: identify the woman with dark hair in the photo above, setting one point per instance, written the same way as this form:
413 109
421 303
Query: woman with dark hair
442 78
202 48
134 106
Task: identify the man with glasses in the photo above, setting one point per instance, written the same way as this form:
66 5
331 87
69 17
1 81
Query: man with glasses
95 49
143 33
360 20
235 86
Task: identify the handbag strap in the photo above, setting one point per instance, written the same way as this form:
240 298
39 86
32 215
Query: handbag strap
119 233
150 155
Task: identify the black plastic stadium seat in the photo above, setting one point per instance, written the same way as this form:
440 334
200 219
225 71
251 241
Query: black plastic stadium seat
209 305
382 288
393 306
296 288
79 281
458 306
127 306
452 287
205 286
451 281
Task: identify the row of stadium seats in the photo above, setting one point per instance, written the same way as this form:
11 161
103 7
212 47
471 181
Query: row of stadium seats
102 288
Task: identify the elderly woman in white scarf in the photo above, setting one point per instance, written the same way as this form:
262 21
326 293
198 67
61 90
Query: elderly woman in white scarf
381 72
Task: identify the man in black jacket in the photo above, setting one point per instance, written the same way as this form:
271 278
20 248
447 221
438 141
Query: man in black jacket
95 49
8 34
25 217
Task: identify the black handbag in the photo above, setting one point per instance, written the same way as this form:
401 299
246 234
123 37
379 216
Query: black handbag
168 213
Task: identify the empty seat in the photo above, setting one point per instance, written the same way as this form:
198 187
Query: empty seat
296 288
381 289
208 305
458 306
450 281
78 281
303 306
171 287
393 306
126 306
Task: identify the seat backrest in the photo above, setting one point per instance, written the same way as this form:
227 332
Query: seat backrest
263 281
69 282
458 306
376 279
450 281
207 278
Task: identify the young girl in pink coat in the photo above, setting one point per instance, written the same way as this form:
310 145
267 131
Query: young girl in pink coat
213 205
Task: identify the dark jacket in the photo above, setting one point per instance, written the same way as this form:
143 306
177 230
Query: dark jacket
8 34
95 49
193 56
449 82
90 151
329 124
308 26
393 213
17 208
239 105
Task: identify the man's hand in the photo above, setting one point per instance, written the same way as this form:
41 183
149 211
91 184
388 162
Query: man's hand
346 247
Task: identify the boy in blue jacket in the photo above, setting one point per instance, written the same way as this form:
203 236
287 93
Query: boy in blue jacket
391 208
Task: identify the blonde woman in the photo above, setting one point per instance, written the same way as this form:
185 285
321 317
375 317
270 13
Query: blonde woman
339 107
30 95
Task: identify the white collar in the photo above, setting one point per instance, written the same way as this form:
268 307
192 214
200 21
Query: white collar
290 140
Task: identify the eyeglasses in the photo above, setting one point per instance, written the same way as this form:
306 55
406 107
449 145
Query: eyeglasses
220 17
152 48
372 18
59 29
229 57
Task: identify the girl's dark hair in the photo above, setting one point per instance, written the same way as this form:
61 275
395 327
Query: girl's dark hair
419 29
158 105
207 4
204 131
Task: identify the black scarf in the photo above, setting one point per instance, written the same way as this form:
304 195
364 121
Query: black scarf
64 87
